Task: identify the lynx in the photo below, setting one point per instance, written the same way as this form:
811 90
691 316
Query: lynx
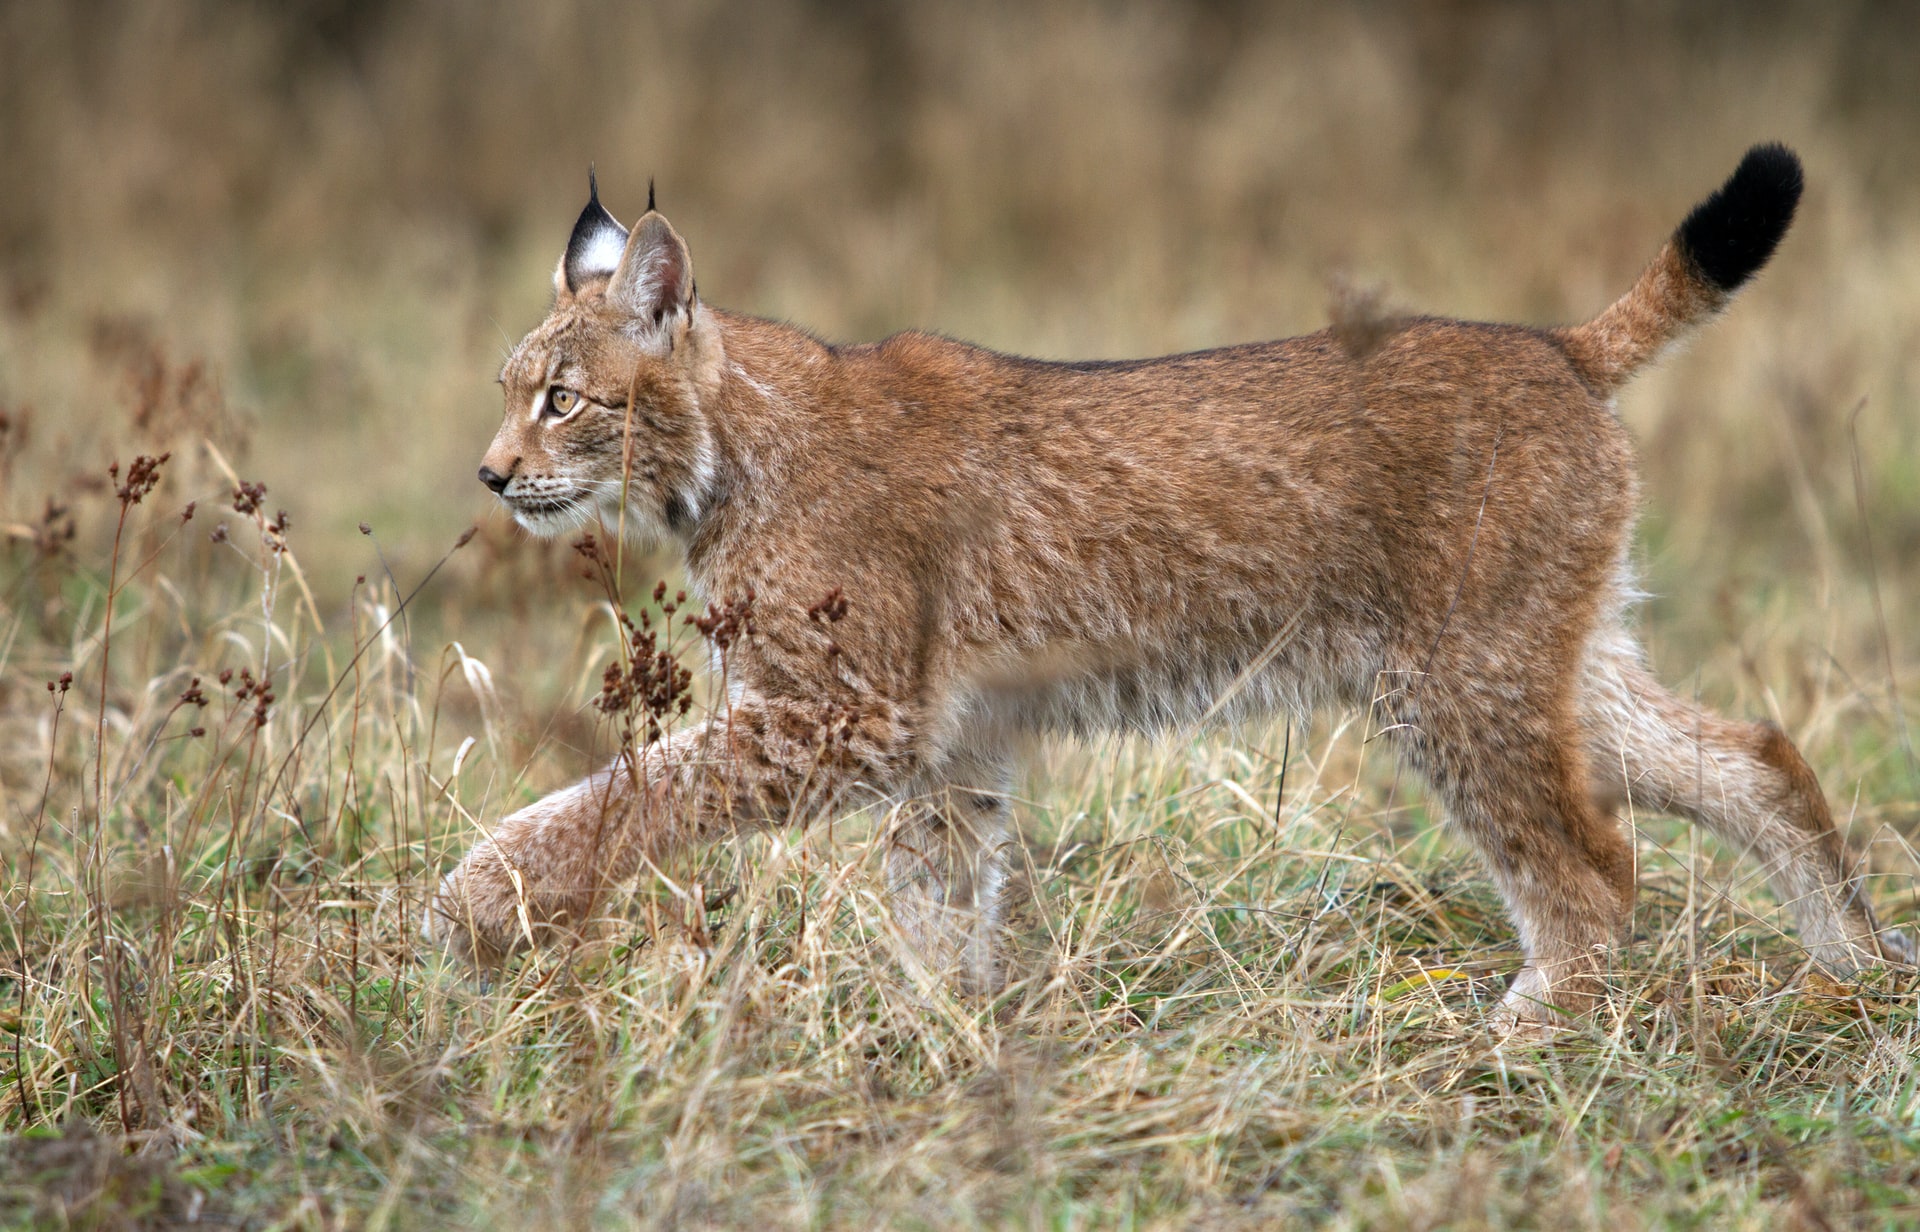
1428 517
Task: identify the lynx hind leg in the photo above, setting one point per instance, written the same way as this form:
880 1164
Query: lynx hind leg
1748 784
947 868
1505 758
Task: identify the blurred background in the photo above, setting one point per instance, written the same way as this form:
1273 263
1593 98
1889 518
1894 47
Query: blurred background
289 242
309 230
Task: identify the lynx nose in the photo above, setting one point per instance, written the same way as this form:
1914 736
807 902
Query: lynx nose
494 479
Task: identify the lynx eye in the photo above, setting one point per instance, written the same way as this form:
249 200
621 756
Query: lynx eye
561 402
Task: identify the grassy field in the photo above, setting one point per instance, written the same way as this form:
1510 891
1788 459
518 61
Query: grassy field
243 731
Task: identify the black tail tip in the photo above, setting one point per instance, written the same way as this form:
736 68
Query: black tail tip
1730 235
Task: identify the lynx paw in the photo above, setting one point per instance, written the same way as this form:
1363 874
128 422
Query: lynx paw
1538 1006
477 915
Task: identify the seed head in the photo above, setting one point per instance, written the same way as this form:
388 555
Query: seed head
248 497
142 477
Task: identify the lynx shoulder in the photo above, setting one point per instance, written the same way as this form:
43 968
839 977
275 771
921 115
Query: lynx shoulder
1431 518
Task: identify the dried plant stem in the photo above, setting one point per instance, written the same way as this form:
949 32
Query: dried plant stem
1873 583
25 920
96 892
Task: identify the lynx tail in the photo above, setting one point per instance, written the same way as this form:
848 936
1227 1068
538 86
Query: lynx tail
1722 244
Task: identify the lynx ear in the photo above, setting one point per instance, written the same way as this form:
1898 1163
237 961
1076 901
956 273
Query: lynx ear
655 278
594 249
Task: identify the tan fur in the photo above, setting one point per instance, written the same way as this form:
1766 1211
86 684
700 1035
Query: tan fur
1629 335
1435 522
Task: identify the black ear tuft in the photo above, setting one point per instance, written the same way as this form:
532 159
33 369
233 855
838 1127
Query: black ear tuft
593 251
1730 235
649 194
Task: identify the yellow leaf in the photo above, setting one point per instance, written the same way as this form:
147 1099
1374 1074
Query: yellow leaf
1425 979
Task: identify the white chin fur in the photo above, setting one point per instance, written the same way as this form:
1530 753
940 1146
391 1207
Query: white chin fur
548 518
544 524
639 527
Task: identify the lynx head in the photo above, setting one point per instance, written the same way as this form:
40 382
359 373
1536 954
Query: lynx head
603 397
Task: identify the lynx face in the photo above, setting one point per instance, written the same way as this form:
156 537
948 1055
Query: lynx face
603 398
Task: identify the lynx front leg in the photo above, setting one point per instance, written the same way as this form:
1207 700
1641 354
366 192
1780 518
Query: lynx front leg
947 873
544 871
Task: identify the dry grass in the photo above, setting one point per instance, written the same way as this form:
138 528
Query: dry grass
275 246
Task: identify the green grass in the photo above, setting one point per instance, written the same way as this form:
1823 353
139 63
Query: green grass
302 234
1229 1008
